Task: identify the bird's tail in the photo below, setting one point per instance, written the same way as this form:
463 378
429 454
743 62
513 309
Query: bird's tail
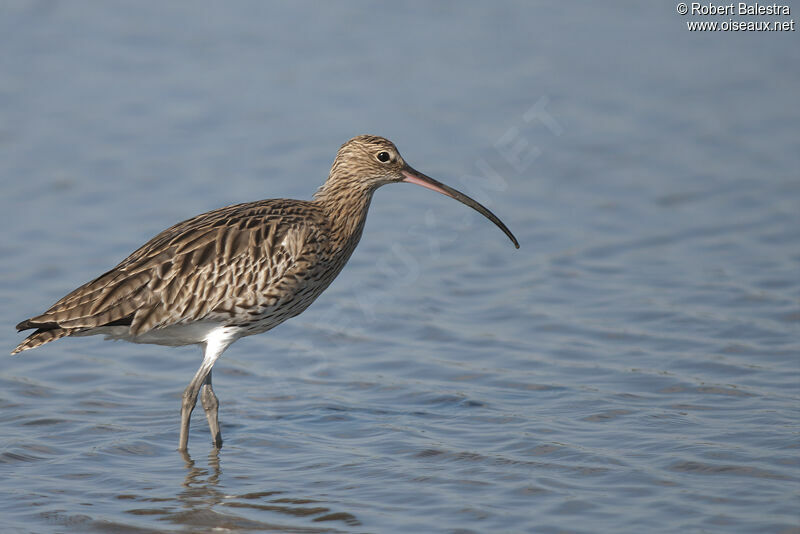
42 336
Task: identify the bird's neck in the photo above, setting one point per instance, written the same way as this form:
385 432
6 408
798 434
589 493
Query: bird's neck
346 208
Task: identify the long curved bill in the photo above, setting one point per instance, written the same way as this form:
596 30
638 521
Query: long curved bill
415 177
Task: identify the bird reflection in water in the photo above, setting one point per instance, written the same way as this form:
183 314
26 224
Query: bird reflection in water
203 496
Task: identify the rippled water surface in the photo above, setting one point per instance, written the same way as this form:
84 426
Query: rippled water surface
634 367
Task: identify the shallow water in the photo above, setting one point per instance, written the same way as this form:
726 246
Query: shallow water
634 367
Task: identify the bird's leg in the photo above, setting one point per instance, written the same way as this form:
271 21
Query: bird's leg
188 403
215 344
211 406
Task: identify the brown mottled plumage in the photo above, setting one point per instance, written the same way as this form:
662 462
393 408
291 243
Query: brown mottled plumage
234 271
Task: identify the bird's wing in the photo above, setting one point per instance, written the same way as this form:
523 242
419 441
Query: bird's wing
245 257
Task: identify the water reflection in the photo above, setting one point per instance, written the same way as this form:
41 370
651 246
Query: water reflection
201 483
200 502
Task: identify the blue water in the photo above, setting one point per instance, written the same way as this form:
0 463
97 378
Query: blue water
634 367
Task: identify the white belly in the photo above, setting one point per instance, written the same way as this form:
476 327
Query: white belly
173 336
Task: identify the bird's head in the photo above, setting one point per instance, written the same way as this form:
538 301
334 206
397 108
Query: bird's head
367 162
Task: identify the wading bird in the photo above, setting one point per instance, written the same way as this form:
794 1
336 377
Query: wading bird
235 271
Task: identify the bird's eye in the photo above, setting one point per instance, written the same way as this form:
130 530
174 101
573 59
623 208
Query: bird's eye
383 157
